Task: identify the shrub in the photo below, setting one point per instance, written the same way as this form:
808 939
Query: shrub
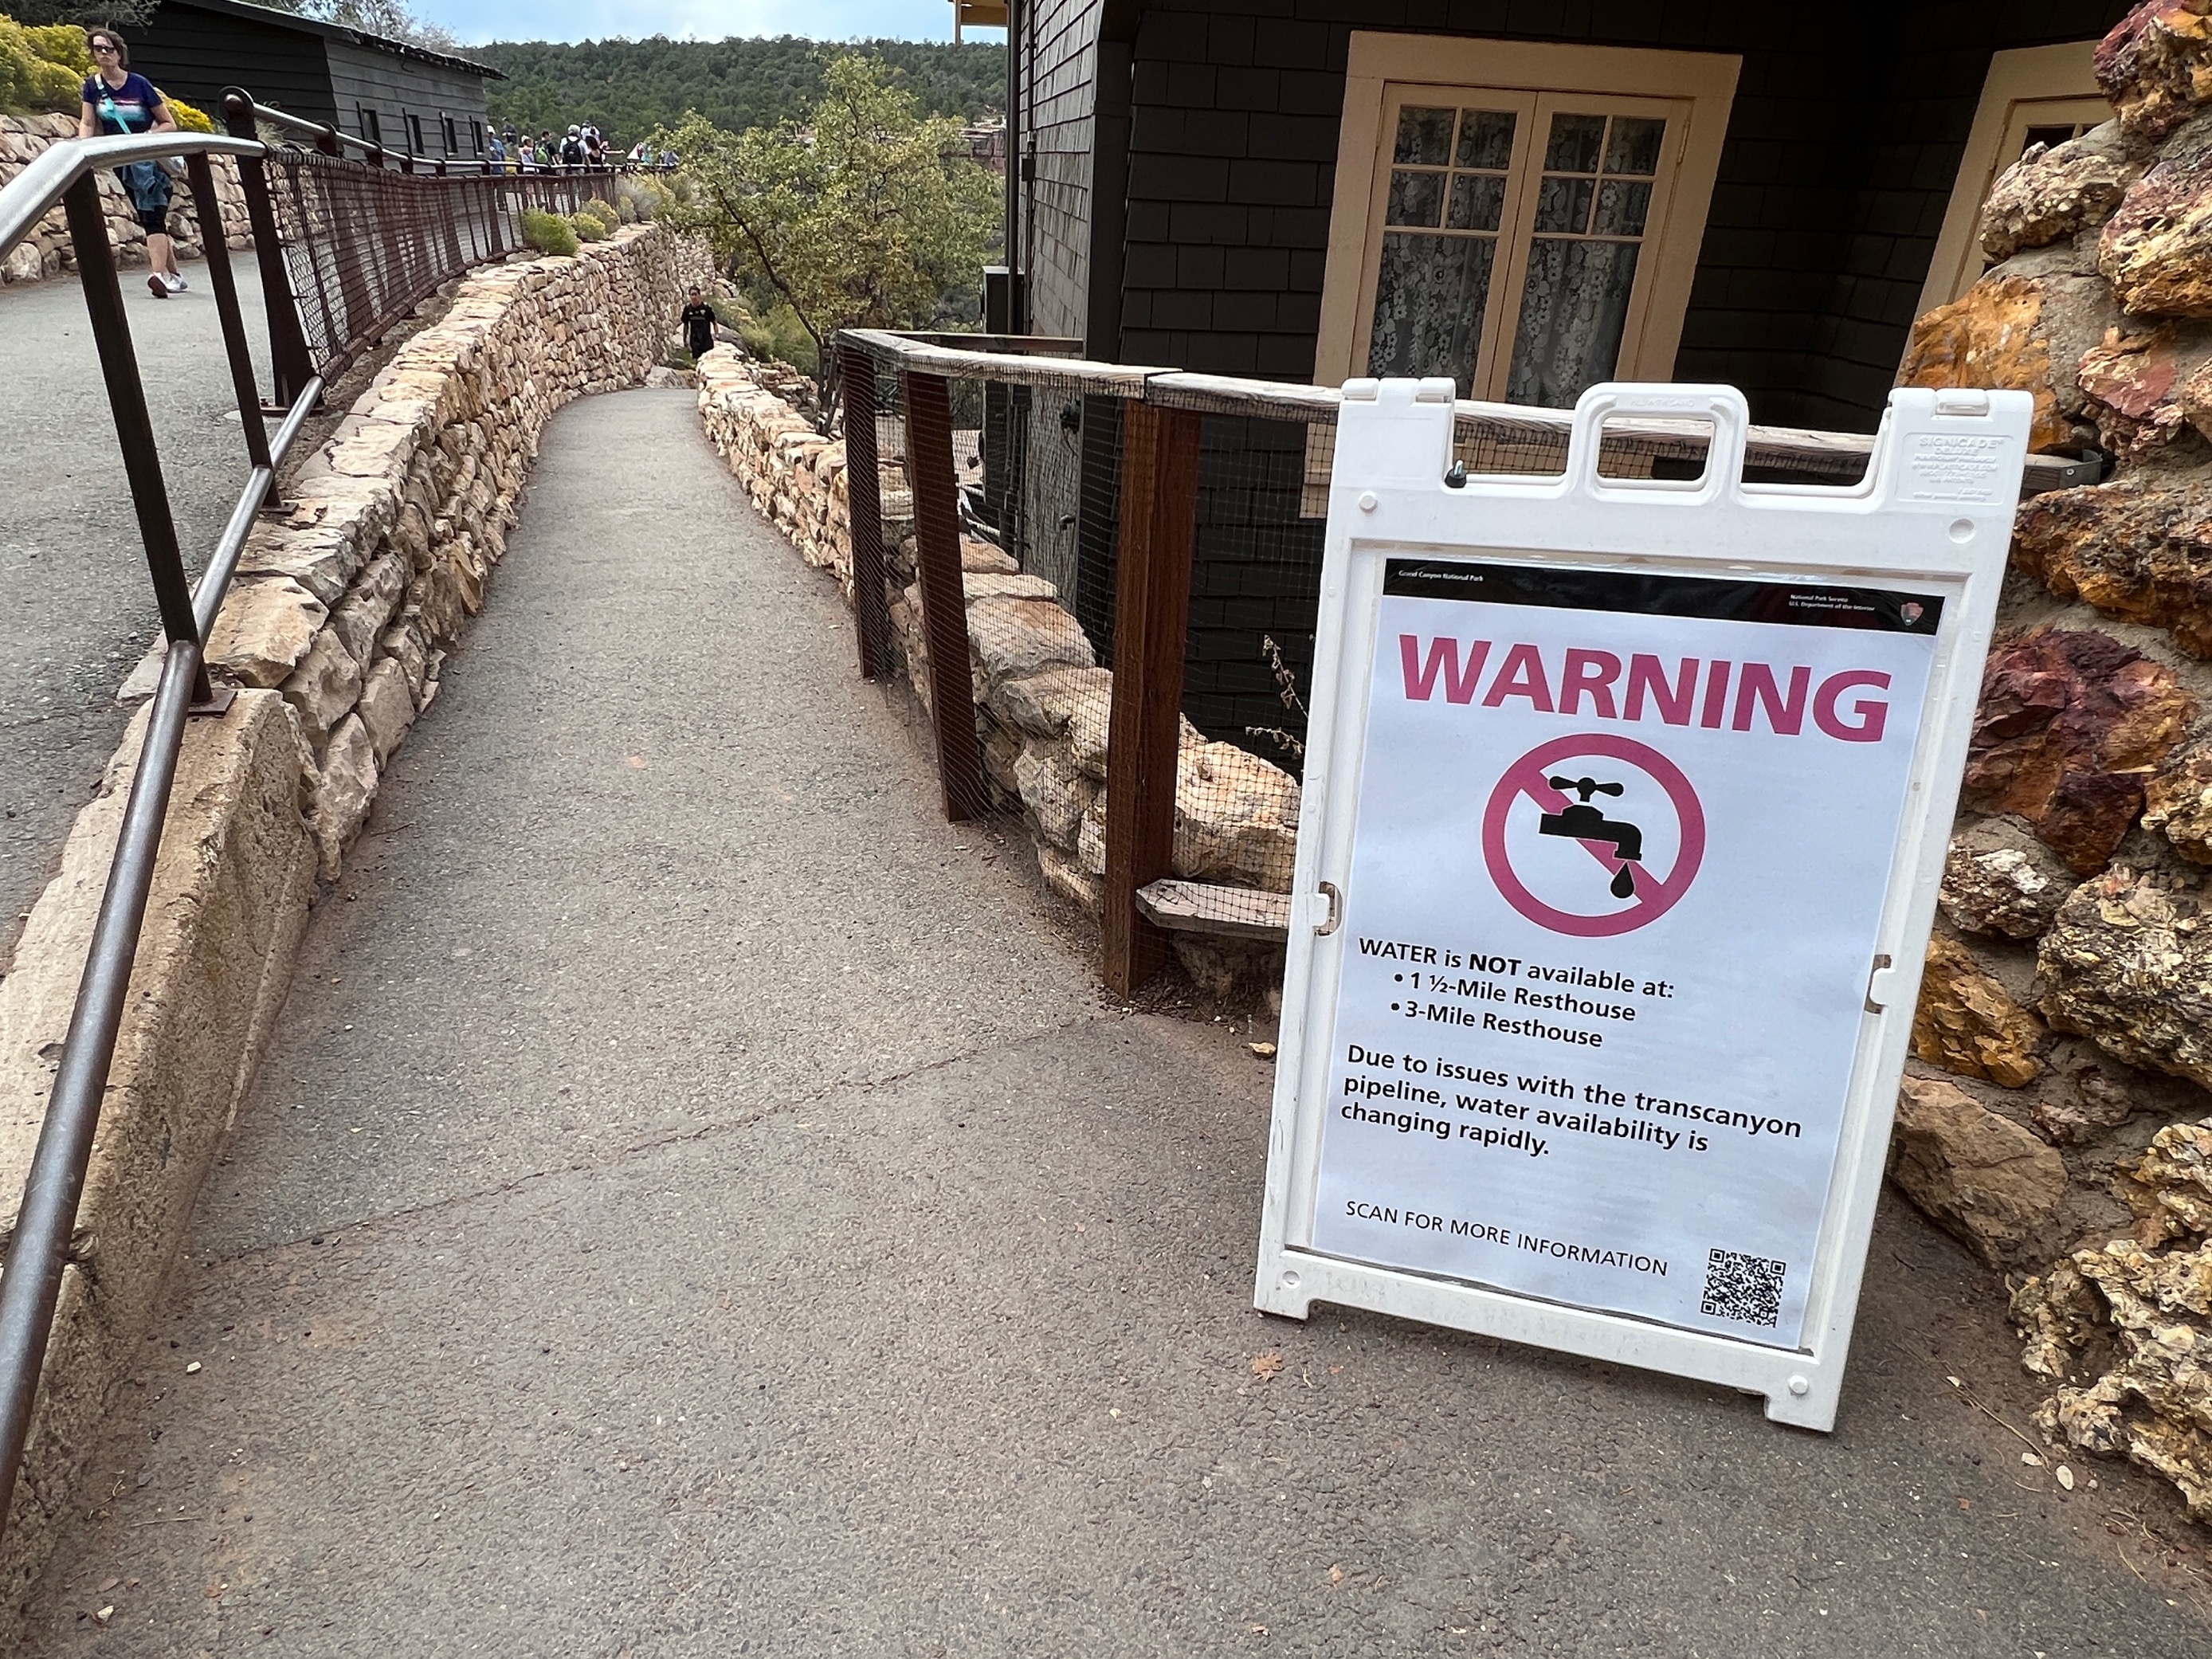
645 197
32 81
588 228
63 44
778 334
549 233
599 212
190 119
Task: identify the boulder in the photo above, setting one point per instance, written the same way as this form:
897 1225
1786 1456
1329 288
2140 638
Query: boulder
1064 701
1055 791
343 795
1999 880
364 611
2070 724
2144 386
1236 818
2128 966
2054 194
2125 1328
323 688
2156 247
2089 1107
263 630
1967 1024
387 708
2178 802
1011 637
2138 548
1980 1175
1070 880
2017 332
2156 65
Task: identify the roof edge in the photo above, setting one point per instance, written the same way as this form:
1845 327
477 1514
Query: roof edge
303 24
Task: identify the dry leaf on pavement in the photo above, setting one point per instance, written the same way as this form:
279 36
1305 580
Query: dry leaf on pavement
1267 1366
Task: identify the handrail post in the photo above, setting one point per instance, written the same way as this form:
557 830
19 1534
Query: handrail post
291 366
221 279
1152 623
931 477
134 426
864 505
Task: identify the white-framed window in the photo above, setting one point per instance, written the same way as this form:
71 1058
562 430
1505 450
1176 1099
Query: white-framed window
2038 94
1523 217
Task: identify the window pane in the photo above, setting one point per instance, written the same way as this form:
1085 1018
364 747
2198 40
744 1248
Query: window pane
1572 310
1477 200
1425 136
1485 137
1575 140
1622 209
1565 204
1415 198
1429 299
1635 146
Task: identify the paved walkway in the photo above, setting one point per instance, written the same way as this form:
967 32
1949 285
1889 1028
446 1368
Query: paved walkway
698 1204
80 606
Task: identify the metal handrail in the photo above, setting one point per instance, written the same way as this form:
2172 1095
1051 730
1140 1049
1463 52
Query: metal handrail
39 1252
32 194
985 357
330 139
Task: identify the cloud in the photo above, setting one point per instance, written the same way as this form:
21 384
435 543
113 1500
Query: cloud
479 20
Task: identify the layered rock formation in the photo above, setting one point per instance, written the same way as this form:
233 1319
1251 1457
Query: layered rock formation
2061 1122
46 251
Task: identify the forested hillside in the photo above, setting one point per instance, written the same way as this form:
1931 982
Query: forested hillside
629 87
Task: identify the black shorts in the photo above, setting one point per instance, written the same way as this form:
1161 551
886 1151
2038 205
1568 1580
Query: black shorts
154 220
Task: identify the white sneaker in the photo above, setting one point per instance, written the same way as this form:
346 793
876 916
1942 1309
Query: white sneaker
177 283
158 285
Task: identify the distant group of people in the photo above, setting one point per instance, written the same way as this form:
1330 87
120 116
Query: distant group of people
585 146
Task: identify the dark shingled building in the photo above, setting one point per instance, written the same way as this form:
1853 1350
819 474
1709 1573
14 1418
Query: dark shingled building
406 98
1530 196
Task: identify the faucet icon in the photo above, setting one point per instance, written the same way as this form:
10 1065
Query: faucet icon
1585 823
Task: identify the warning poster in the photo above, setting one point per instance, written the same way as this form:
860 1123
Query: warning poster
1621 849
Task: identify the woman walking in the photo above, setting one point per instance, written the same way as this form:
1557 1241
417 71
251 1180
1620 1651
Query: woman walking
116 100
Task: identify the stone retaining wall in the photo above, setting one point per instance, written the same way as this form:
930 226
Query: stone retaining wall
46 251
2065 1028
335 629
1041 698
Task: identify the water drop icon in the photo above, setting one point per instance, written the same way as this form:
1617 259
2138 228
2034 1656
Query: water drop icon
1624 883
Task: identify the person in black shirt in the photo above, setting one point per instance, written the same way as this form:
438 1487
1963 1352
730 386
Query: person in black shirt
698 325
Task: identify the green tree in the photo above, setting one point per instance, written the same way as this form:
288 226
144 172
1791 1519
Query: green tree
629 87
867 215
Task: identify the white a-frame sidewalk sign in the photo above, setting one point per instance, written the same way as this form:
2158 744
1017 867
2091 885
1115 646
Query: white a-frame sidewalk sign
1627 801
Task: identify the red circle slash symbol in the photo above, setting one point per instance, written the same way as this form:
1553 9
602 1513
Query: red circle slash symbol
1615 844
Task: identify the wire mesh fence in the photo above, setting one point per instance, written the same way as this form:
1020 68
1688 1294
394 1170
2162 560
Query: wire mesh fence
364 244
1106 583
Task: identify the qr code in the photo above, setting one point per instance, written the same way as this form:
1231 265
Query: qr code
1745 1288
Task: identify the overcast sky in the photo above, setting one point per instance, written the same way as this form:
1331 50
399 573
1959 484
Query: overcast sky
477 21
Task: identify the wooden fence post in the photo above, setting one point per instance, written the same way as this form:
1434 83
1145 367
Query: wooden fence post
930 475
1151 619
864 503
